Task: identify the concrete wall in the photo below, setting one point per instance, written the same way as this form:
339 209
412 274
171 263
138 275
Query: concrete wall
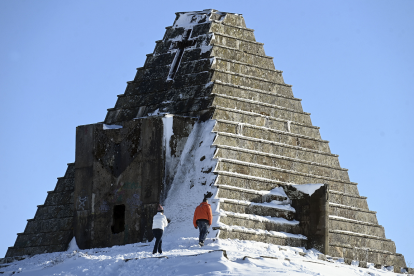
117 167
124 166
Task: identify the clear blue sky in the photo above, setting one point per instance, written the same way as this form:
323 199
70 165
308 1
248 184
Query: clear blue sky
62 63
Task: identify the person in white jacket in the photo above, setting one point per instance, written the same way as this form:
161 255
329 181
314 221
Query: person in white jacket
158 224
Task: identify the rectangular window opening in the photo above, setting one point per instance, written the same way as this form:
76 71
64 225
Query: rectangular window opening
118 219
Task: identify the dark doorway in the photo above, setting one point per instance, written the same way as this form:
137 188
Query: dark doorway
118 219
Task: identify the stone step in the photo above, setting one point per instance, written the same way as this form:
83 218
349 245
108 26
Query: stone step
65 185
344 224
366 255
159 59
254 70
287 176
248 81
169 42
244 45
256 119
348 199
361 240
152 73
235 31
292 113
161 72
70 171
156 97
231 192
258 144
276 98
54 211
188 107
268 134
61 198
246 182
253 181
144 87
279 90
282 162
259 222
43 239
353 213
228 232
240 56
48 225
261 209
261 184
30 251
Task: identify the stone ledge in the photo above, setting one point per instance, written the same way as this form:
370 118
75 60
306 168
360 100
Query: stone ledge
345 194
246 64
354 221
278 156
351 208
235 49
248 191
249 77
247 203
365 249
348 233
238 27
233 161
240 216
250 177
264 116
256 90
276 143
259 103
272 130
242 39
229 229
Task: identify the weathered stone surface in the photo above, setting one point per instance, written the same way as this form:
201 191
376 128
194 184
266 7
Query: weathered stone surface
211 69
356 227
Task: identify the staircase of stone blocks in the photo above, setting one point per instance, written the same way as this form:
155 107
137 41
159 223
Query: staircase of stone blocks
52 227
264 140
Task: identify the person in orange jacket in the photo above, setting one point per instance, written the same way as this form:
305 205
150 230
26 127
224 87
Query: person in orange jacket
203 218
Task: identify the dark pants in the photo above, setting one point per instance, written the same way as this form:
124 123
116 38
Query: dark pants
158 240
203 228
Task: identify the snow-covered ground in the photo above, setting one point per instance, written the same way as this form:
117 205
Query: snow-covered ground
183 256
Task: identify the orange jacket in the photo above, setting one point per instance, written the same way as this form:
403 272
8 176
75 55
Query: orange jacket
203 211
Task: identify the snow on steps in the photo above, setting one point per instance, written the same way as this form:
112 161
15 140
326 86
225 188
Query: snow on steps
245 207
243 233
255 221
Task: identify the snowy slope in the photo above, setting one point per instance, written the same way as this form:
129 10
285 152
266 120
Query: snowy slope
183 256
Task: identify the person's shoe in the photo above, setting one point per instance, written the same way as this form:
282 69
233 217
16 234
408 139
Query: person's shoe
153 252
160 252
201 243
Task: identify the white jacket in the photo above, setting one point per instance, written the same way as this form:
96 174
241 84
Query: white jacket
159 221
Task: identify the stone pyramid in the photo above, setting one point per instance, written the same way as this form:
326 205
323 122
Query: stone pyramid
275 179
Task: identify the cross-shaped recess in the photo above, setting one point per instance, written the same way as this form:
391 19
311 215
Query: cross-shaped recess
180 45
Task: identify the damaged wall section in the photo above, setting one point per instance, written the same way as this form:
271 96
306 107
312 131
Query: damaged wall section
120 176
